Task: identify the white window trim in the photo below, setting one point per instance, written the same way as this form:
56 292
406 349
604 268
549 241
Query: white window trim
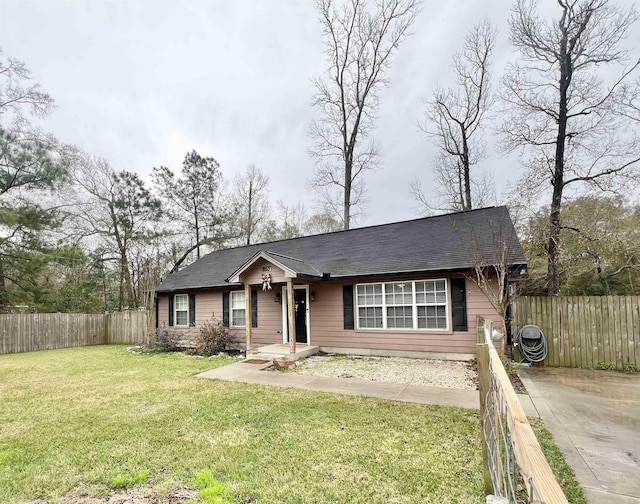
414 306
175 310
244 308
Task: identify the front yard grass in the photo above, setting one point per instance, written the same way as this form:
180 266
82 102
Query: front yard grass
105 417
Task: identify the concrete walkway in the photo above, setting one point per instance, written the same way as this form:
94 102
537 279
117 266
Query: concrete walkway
422 394
594 417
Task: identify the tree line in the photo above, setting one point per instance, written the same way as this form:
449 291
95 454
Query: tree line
568 106
80 235
77 234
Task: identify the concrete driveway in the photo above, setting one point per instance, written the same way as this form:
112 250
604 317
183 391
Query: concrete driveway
594 417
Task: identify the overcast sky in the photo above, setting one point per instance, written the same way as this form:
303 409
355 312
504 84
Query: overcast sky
140 83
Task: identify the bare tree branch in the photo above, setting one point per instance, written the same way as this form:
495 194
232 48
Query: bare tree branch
359 45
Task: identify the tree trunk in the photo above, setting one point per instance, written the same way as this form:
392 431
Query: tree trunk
249 223
346 218
3 287
466 168
125 281
553 249
195 215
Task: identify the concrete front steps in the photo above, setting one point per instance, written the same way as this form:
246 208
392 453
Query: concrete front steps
270 352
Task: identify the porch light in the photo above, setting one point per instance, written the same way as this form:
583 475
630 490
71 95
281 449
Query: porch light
277 297
312 297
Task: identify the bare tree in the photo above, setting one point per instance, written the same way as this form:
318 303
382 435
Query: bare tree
17 94
251 202
359 45
449 183
454 120
562 110
116 209
495 268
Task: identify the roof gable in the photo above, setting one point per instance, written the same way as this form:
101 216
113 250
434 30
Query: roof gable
290 266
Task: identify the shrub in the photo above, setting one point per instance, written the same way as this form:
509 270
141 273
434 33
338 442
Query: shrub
214 338
166 340
606 366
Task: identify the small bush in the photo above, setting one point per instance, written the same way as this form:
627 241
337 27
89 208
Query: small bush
214 338
631 368
166 340
606 366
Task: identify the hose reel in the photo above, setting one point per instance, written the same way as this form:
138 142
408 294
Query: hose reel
531 343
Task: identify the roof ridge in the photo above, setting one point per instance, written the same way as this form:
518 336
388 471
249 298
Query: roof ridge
282 255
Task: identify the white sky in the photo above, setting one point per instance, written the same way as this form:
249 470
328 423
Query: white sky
140 83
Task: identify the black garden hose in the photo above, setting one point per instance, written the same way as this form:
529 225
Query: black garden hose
531 343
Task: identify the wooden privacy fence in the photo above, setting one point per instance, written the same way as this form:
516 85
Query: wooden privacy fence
584 331
513 461
47 331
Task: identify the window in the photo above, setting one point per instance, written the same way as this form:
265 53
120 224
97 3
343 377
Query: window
370 305
403 305
181 304
431 300
238 309
399 300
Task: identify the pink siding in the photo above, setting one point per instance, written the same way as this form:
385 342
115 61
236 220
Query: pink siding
269 328
327 329
253 275
209 304
326 321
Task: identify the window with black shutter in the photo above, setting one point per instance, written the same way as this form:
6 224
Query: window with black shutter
192 310
225 309
347 306
254 308
459 304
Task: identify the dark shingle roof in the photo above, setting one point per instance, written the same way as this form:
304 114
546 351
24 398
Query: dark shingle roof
445 242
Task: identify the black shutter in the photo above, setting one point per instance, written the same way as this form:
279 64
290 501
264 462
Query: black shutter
192 310
254 308
155 302
170 310
459 304
347 306
225 309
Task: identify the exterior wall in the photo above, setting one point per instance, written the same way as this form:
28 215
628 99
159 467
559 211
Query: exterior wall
253 276
209 304
269 330
326 320
327 330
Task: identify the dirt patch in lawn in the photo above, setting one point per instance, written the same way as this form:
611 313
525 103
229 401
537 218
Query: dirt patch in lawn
138 495
436 373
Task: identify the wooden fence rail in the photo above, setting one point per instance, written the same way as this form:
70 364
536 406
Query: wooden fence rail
48 331
513 460
583 331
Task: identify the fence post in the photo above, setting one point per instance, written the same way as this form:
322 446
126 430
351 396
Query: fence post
482 350
106 329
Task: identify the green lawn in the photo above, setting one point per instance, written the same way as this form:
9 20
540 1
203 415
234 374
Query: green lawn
109 418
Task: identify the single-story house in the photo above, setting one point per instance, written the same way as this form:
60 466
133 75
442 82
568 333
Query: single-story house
404 288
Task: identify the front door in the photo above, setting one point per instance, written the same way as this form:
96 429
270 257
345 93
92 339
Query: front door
300 314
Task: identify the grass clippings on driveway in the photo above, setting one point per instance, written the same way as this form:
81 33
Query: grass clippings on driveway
100 416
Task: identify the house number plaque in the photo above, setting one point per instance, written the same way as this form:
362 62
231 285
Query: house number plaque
266 268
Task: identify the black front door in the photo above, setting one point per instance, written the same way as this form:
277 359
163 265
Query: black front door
300 310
